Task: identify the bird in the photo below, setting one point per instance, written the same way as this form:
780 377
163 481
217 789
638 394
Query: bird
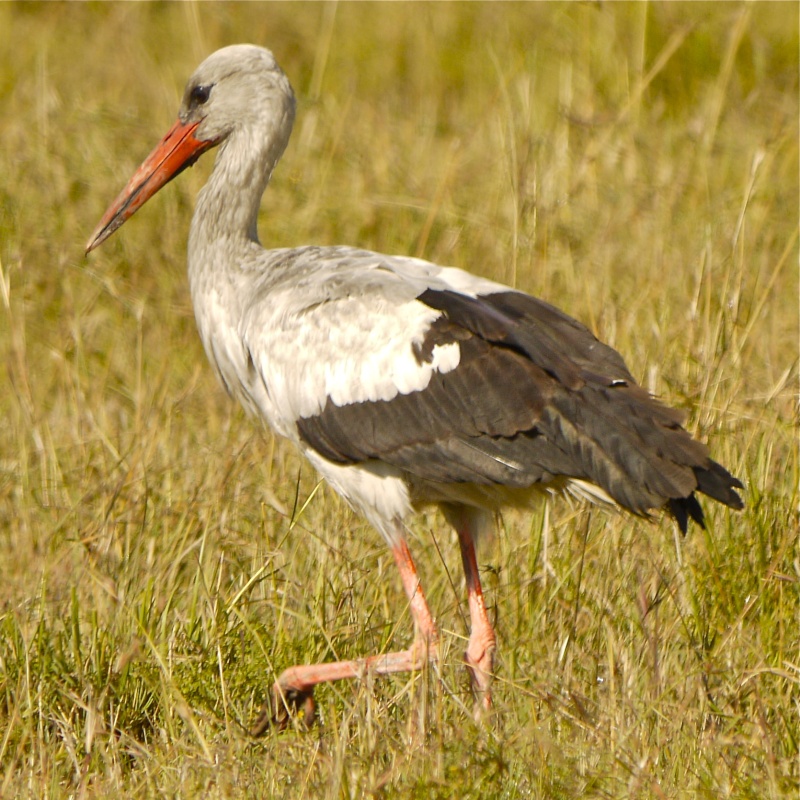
404 383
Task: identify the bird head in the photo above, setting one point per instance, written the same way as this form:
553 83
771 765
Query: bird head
238 92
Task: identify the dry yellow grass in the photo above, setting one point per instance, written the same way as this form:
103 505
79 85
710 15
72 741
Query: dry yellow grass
160 562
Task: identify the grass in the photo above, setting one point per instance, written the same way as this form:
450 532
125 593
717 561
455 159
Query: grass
161 559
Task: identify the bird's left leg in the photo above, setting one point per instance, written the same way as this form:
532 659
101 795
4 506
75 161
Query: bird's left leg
479 656
294 688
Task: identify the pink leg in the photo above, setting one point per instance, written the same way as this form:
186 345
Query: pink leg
294 689
482 640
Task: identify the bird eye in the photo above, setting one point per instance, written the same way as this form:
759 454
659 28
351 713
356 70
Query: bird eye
199 95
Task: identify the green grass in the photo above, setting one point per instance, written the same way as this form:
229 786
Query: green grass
161 560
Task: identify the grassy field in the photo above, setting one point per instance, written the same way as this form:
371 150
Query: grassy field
162 559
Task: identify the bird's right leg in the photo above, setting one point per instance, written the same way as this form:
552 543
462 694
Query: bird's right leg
479 657
294 689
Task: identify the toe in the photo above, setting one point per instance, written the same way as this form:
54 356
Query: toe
286 704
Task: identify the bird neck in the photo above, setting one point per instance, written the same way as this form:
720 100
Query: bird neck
227 206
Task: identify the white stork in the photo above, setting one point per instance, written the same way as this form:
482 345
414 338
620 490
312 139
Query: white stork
404 383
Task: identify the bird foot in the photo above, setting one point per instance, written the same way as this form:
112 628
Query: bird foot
480 666
293 693
285 704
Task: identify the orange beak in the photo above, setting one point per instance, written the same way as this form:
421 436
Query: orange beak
174 153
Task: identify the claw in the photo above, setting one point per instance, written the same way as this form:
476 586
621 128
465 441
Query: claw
285 704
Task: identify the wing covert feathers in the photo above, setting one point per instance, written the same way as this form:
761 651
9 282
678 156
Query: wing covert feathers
535 398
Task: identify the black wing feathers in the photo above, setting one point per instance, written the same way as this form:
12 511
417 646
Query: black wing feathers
535 397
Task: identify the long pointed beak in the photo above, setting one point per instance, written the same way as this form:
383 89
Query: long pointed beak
174 153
